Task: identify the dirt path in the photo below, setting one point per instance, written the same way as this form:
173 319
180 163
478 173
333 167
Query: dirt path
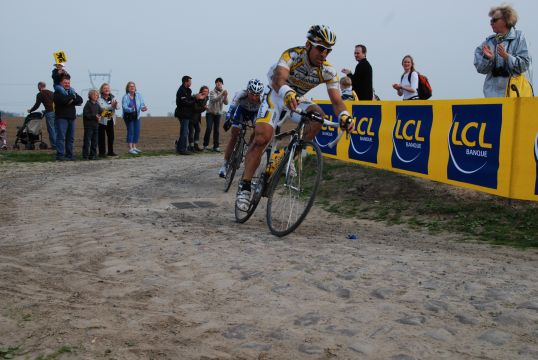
94 256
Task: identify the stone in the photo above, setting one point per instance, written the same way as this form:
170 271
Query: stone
412 320
464 319
307 320
237 331
382 293
439 334
310 349
362 348
495 337
436 306
343 293
529 305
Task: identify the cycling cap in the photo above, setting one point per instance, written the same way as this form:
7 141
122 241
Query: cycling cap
255 86
322 35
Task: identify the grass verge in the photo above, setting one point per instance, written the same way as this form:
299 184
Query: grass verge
28 156
367 193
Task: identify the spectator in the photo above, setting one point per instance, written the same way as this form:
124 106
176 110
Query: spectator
65 115
200 105
109 105
347 90
218 97
46 97
90 117
57 74
184 113
132 104
409 81
503 54
362 78
3 134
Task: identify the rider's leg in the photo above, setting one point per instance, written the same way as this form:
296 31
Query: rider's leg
312 127
263 133
231 143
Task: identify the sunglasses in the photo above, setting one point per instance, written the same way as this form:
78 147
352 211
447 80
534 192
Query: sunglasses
494 20
322 48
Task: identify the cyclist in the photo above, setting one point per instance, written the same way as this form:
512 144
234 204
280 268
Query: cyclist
298 70
243 108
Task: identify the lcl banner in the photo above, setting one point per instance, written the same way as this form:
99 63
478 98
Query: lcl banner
489 145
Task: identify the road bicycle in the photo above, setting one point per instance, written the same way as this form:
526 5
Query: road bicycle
289 177
238 153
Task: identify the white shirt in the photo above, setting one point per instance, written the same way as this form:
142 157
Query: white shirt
413 84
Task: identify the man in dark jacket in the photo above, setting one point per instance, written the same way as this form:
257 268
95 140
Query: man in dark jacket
66 114
184 112
45 97
362 78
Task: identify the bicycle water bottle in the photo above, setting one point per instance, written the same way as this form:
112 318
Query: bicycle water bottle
276 158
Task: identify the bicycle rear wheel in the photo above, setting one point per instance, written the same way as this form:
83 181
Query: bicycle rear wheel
235 162
257 190
294 188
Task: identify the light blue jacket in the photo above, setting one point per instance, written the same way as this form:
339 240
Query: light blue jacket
519 62
126 100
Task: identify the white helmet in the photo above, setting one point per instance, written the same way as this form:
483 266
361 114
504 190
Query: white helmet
255 87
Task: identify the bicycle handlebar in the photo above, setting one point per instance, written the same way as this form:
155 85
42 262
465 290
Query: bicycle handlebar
323 120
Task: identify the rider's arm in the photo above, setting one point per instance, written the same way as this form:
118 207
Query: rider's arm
279 84
280 77
339 107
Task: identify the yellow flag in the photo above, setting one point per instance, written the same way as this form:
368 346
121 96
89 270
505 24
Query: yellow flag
60 57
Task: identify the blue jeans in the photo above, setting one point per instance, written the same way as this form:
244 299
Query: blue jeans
50 116
65 135
89 146
213 123
181 144
133 130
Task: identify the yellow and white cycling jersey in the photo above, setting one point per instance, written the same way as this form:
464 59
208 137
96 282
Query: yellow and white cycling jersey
303 76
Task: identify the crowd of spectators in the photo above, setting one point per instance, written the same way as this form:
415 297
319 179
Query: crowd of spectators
503 55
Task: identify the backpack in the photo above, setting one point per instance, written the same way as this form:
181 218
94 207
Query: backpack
424 89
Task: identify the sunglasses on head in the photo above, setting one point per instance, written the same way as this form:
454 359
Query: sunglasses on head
322 48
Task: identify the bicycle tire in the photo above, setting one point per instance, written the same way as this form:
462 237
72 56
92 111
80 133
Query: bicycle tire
258 185
290 198
235 162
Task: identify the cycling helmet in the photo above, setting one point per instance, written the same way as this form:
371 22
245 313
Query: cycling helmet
255 87
322 35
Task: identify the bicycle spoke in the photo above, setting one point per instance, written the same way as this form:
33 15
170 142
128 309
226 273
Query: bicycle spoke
293 190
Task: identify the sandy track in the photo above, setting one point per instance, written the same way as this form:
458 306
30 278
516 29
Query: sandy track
93 256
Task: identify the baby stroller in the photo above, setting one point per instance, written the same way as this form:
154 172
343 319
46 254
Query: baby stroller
30 132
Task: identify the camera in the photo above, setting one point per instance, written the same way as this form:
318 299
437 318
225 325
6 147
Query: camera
499 72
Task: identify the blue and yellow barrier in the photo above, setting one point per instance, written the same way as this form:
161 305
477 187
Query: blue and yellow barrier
489 145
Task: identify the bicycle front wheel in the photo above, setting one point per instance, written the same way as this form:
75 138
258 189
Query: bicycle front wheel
293 188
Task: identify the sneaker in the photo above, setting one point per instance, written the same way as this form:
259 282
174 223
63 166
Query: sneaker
197 148
217 150
242 202
133 152
137 150
222 171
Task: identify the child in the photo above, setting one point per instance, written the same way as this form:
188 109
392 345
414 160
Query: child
90 117
3 136
57 74
347 91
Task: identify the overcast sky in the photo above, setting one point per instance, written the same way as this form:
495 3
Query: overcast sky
155 43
